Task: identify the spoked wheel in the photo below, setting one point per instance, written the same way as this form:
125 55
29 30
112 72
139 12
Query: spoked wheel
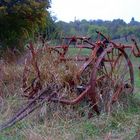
112 77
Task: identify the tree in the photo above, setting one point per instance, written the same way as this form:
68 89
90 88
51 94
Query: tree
133 22
92 31
114 27
51 31
20 19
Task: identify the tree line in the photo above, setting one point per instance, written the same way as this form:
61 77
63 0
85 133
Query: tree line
114 29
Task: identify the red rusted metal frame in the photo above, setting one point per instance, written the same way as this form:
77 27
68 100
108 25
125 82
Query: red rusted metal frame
62 54
98 51
95 47
62 57
72 101
65 48
136 54
87 91
93 80
35 86
34 104
33 59
92 58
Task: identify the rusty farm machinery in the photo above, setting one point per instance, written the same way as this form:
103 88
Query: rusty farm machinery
101 75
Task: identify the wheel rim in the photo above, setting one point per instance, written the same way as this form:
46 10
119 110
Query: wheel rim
112 76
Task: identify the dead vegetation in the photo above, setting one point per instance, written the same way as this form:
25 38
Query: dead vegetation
55 121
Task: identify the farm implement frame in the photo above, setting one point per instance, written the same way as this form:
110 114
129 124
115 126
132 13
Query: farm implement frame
102 76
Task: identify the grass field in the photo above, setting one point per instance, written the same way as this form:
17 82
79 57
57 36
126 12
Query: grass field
58 123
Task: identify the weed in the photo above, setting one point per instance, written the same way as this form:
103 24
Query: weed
55 121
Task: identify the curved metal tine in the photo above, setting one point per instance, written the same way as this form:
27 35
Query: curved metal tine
136 52
20 115
16 118
24 109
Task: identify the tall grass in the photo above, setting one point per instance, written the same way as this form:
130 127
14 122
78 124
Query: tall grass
54 121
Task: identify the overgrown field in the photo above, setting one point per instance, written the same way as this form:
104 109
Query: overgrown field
56 122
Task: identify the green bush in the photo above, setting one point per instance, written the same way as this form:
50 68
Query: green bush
19 20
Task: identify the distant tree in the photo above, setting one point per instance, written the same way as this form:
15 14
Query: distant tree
72 31
51 31
84 25
92 31
136 31
132 19
133 22
115 29
20 19
64 27
114 26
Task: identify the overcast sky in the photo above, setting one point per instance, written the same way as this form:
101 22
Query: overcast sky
68 10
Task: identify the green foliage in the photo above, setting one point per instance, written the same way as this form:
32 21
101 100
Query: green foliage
51 30
20 19
90 128
93 28
116 28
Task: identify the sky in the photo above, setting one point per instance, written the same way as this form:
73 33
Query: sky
69 10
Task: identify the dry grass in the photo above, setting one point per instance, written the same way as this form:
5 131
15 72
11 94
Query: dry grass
54 121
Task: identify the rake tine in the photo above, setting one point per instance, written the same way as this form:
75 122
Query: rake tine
24 112
12 121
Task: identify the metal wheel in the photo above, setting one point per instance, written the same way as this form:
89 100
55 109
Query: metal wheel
111 78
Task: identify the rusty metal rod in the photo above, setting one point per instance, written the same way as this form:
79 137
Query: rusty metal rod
22 113
74 101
